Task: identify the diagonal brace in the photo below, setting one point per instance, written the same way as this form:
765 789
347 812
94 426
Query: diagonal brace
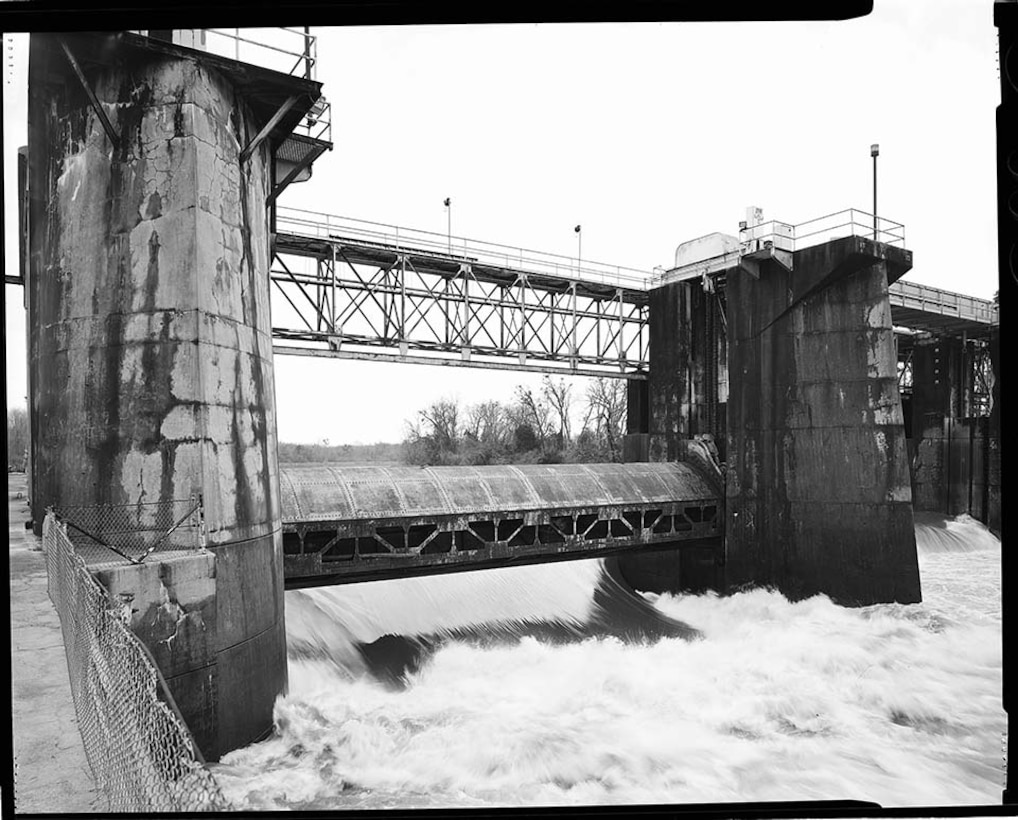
267 128
92 99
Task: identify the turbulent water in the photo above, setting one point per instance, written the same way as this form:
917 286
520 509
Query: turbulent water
554 685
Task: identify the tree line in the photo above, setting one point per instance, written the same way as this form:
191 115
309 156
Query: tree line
17 439
340 453
533 427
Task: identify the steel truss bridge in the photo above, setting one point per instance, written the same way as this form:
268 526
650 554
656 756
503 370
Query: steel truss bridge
349 288
353 289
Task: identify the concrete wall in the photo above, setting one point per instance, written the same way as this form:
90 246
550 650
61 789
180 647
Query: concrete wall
818 497
955 458
687 383
936 399
151 355
683 397
993 456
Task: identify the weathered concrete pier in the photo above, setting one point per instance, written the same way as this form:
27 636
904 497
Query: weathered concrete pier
151 370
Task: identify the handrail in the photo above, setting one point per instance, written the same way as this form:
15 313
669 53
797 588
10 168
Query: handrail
515 258
260 41
857 223
333 227
915 295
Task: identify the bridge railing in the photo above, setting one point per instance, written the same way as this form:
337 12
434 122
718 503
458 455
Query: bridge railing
850 222
458 248
137 744
916 296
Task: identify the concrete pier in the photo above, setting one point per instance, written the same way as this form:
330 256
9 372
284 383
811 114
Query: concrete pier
818 496
151 356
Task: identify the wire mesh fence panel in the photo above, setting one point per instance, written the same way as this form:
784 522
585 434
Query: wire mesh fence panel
132 532
142 756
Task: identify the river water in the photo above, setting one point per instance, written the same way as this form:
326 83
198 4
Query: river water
551 686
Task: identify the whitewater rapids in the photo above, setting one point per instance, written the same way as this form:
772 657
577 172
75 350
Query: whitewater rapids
552 685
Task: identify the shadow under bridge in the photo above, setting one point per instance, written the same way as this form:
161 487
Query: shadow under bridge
357 523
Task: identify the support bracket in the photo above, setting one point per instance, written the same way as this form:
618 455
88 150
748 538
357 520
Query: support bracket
92 99
290 177
267 128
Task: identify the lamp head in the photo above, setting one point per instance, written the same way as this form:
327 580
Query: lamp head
874 150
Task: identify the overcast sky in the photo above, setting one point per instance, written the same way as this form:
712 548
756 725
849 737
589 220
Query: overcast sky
646 134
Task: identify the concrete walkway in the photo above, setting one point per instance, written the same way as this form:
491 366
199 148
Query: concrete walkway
52 774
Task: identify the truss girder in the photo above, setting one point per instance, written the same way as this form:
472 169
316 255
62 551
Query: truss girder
365 549
333 304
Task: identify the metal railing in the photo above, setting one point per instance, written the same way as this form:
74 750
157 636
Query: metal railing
850 222
139 749
914 296
458 248
317 123
290 51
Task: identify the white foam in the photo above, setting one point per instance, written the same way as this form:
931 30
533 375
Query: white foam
420 606
780 701
940 533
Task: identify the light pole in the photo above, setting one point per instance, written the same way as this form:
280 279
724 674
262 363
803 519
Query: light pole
874 152
579 248
448 209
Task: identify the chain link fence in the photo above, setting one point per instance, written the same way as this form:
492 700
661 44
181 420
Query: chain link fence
118 533
140 751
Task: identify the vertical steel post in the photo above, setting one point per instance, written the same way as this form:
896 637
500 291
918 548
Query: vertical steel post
319 295
402 298
307 53
333 288
621 325
874 152
575 350
466 306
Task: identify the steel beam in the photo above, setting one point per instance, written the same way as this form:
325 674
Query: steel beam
530 366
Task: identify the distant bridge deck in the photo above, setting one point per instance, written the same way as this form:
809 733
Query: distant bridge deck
928 309
356 523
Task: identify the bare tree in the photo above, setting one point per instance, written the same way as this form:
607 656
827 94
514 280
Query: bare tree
17 438
606 414
488 422
533 412
442 422
560 401
434 437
